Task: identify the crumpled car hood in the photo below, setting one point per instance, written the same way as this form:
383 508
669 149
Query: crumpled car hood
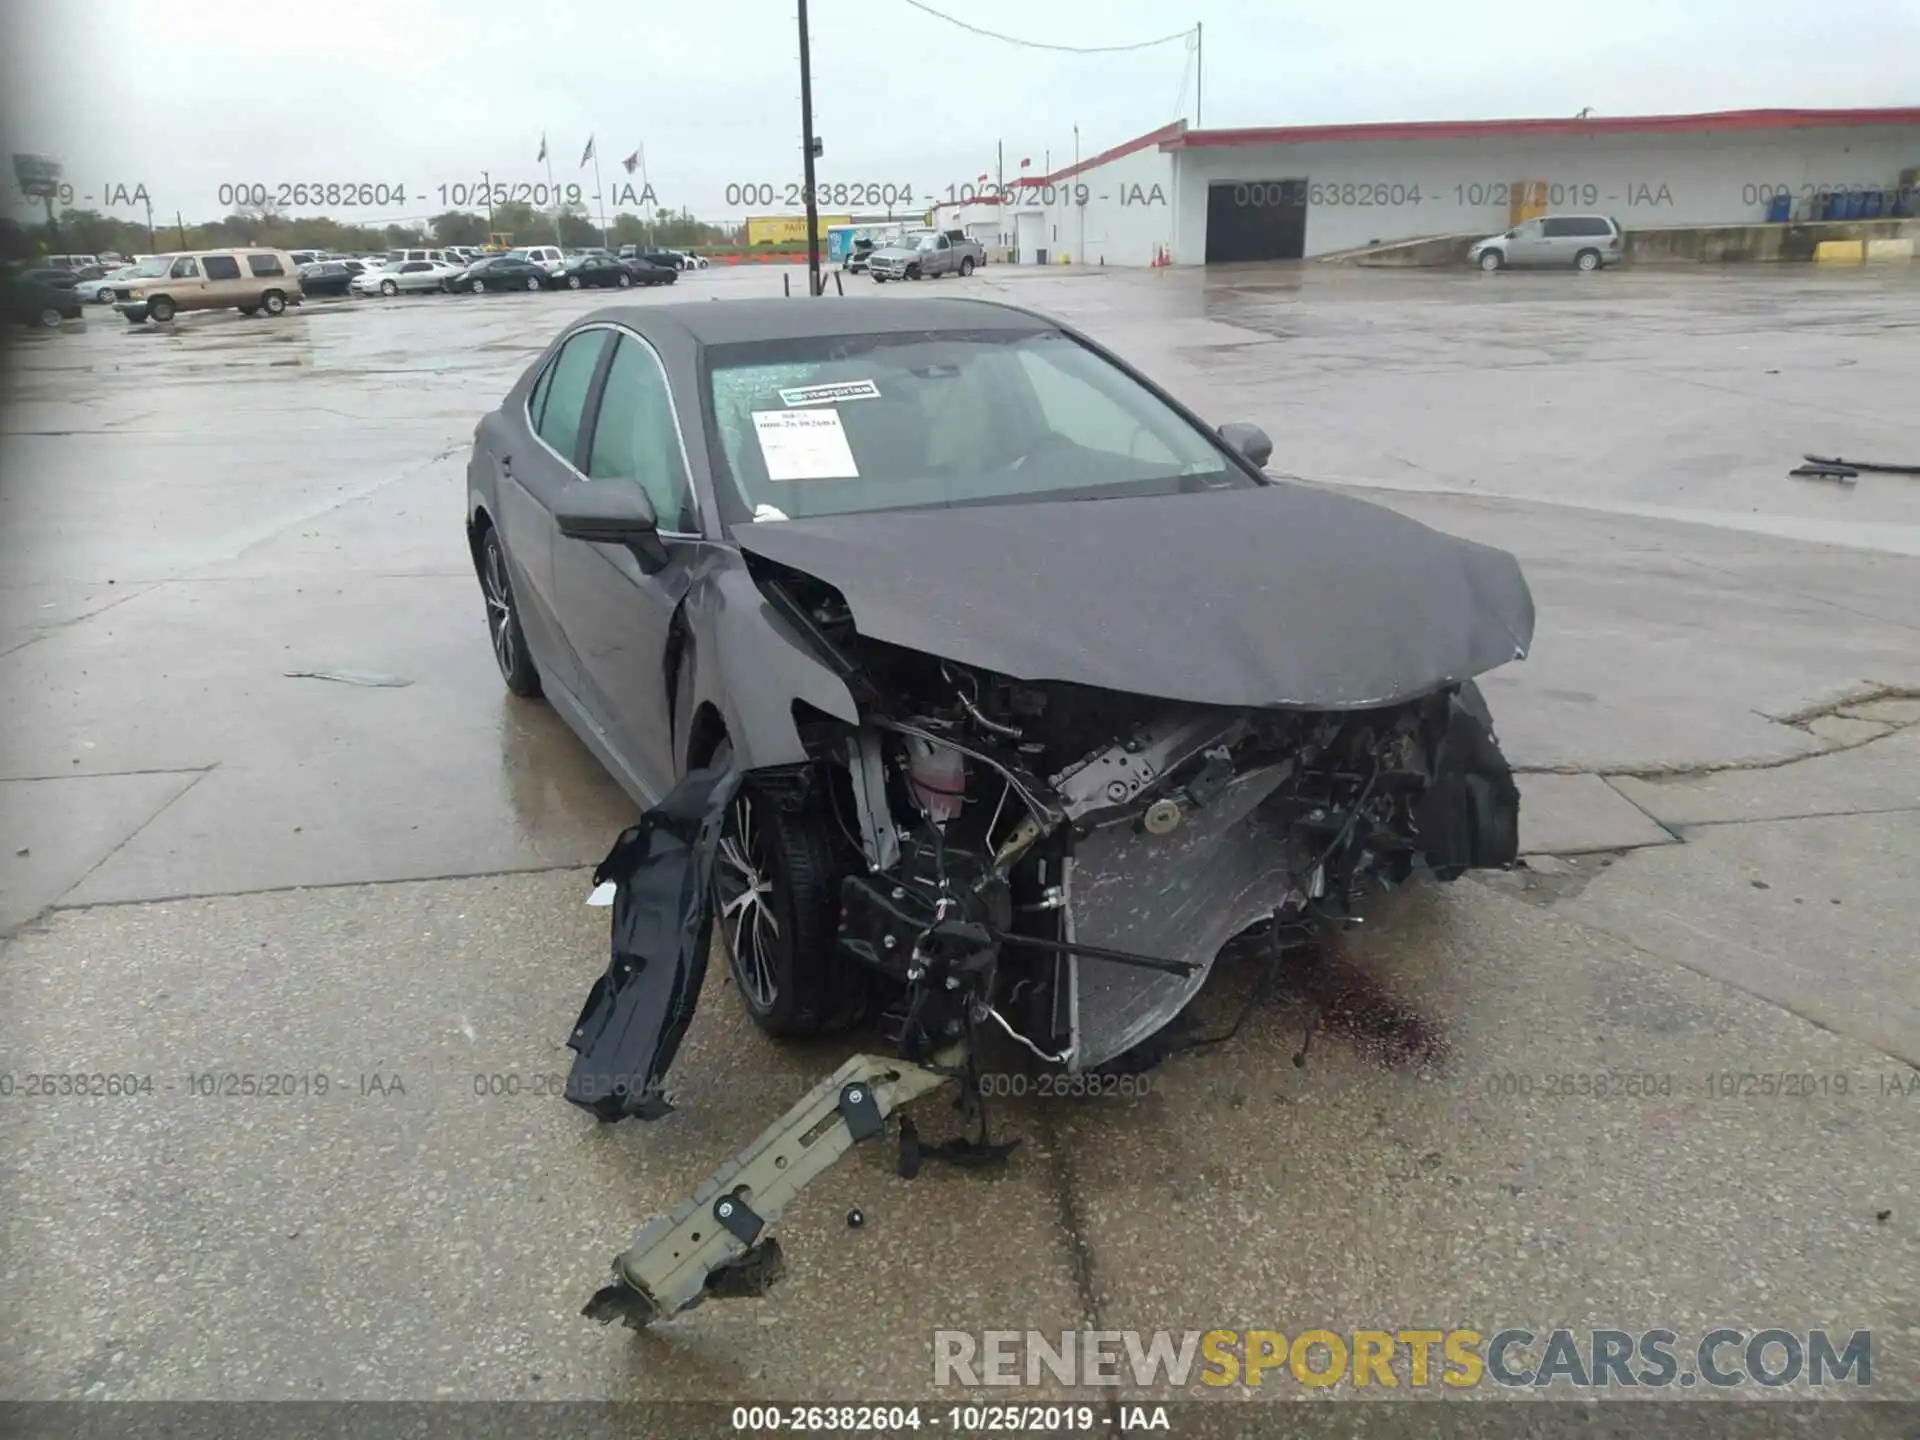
1285 595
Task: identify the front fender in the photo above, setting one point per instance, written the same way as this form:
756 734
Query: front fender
743 658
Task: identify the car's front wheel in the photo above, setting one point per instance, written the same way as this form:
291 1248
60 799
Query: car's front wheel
1492 260
573 282
777 908
533 282
503 619
51 318
389 289
478 287
623 280
274 303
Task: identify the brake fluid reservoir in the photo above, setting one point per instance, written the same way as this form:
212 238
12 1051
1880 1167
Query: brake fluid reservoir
939 776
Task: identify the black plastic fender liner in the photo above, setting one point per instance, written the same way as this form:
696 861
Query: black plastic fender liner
1469 817
637 1012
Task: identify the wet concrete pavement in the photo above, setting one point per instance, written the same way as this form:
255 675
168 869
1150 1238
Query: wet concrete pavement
210 866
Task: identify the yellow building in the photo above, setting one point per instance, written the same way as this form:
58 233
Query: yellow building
789 229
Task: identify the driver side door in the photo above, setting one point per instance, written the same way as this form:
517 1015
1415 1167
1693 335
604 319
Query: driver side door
1527 244
616 613
184 283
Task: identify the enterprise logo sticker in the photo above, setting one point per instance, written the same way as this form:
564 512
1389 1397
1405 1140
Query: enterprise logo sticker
830 394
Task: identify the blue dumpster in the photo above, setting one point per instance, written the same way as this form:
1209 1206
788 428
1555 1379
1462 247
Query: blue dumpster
1855 204
1872 205
1780 209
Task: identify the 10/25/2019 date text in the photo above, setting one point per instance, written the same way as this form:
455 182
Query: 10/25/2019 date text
952 1419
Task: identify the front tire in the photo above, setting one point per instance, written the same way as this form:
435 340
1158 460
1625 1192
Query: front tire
503 620
623 280
478 287
533 282
777 906
389 289
161 310
274 303
1491 261
51 318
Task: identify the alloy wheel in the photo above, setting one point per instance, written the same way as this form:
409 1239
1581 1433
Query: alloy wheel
499 607
746 894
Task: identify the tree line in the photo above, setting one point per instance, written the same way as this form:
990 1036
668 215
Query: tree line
88 232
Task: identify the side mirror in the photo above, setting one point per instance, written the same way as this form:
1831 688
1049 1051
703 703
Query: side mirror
612 512
1250 440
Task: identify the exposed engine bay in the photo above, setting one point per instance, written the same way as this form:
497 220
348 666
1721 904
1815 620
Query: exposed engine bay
1064 863
1048 861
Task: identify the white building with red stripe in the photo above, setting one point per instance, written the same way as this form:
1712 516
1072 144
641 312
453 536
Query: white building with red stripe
1183 196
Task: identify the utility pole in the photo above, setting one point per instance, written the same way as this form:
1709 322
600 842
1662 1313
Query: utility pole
486 179
152 244
1199 63
809 148
181 226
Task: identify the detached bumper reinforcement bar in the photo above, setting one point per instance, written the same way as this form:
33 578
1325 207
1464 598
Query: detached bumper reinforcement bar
716 1243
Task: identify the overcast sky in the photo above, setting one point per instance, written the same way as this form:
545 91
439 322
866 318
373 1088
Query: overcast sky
185 95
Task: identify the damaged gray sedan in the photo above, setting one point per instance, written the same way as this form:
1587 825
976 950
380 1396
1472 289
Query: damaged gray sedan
972 685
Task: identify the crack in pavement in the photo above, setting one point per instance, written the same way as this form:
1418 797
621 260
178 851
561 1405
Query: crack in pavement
1793 720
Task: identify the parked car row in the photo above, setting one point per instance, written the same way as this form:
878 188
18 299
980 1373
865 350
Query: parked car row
540 267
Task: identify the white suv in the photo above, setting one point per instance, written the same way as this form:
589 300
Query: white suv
547 257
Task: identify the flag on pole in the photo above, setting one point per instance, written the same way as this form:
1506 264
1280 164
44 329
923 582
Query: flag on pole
632 162
542 156
587 154
1025 163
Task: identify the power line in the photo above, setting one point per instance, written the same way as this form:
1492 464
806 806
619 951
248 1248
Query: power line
1186 74
1039 45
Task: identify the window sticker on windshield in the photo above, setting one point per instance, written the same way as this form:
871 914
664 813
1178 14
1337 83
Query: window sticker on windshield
831 394
804 445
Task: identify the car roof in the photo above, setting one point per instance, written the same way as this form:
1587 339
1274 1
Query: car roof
731 322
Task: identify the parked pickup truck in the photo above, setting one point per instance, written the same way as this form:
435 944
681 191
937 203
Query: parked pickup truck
922 254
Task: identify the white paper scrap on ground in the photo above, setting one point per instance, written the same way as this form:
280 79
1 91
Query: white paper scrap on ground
603 893
804 445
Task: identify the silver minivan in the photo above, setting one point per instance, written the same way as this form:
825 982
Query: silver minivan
1582 242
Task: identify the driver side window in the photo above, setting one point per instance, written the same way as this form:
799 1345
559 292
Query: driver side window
636 438
185 268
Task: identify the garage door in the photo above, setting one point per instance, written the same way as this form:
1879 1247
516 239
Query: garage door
1256 220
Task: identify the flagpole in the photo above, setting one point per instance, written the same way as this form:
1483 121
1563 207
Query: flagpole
601 194
553 191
